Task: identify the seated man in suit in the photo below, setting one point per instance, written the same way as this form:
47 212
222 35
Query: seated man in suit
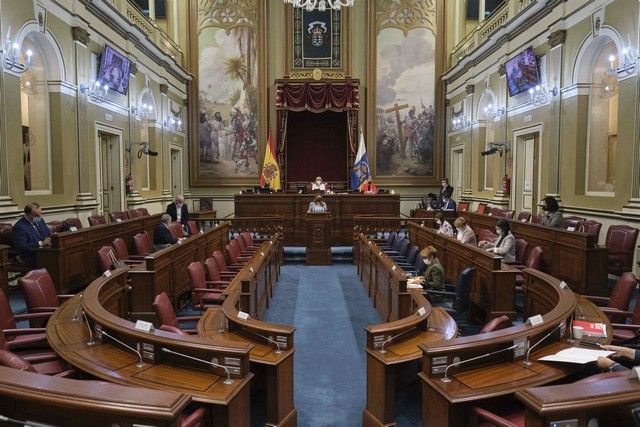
318 184
178 210
162 236
369 187
448 204
30 233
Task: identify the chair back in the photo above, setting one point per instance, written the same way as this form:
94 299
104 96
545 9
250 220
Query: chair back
419 266
621 242
404 247
521 250
176 229
487 235
391 239
197 280
75 222
463 287
591 228
494 211
524 216
572 222
412 253
117 215
398 243
221 262
192 226
508 213
248 239
537 218
7 319
5 234
12 360
534 258
38 289
55 226
164 310
133 213
213 272
495 324
621 293
142 243
143 212
96 220
463 206
241 244
105 258
120 248
232 252
482 208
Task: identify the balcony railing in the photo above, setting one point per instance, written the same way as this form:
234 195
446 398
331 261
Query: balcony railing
498 19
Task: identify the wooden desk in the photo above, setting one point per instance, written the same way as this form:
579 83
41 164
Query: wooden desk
501 374
62 401
166 269
609 401
319 238
4 269
571 256
492 292
272 349
72 259
204 217
293 209
102 301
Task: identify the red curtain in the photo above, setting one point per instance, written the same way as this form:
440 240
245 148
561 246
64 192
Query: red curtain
317 96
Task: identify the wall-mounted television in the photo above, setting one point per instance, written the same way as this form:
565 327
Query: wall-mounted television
522 72
114 70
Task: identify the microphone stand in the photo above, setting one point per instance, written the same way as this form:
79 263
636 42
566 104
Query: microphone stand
25 423
76 316
86 321
527 362
446 378
278 350
391 338
140 364
212 363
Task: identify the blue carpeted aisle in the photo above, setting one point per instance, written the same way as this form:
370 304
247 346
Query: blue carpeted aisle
329 308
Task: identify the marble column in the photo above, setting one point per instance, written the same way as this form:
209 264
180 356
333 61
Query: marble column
554 83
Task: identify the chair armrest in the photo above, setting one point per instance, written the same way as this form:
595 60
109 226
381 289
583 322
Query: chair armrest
217 283
65 297
24 331
173 329
626 327
133 261
134 258
516 265
616 312
28 316
28 342
49 310
188 319
243 258
69 373
597 300
47 356
445 293
206 291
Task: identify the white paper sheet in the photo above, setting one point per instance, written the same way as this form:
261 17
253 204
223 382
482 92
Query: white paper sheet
576 355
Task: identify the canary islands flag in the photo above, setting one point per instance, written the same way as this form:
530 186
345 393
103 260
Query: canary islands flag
360 171
270 169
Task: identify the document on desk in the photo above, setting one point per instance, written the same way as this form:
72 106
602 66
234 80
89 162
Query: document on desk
576 355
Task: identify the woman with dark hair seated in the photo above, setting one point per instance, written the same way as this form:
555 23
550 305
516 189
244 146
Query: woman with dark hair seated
504 245
553 217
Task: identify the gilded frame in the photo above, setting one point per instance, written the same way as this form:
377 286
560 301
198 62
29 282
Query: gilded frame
195 178
318 73
439 98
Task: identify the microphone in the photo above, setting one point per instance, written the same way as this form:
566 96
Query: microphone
269 339
91 341
446 379
206 362
76 316
25 423
526 361
391 338
582 316
140 364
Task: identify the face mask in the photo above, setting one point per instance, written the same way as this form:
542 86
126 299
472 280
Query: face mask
459 235
426 261
438 222
318 182
499 231
544 208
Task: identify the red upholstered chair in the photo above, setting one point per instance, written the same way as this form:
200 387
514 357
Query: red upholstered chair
54 226
247 240
491 211
233 252
537 218
463 206
512 417
105 258
495 324
22 338
195 418
143 212
133 213
176 229
487 235
54 366
75 222
572 222
96 220
619 299
167 318
590 227
534 260
40 294
482 208
524 216
521 252
508 213
120 248
204 294
621 242
222 264
192 226
142 243
629 325
118 215
214 275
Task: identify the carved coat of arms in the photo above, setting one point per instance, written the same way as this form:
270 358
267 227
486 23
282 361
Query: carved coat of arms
317 29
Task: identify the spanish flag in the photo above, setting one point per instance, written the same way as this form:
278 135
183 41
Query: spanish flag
270 169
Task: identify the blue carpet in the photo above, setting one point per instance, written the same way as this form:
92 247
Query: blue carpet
329 308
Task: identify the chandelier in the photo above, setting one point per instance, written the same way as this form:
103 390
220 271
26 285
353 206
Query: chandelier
321 5
10 53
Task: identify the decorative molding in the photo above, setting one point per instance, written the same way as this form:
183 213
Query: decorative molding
214 13
557 38
164 88
312 75
470 89
406 15
80 35
502 70
597 20
133 68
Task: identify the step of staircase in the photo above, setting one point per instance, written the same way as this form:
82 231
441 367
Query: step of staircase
296 254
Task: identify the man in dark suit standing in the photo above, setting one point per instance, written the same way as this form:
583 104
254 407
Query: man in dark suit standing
178 210
162 236
30 233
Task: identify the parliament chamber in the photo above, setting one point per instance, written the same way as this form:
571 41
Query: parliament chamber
319 213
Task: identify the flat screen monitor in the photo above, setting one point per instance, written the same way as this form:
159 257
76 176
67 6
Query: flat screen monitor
114 70
522 72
